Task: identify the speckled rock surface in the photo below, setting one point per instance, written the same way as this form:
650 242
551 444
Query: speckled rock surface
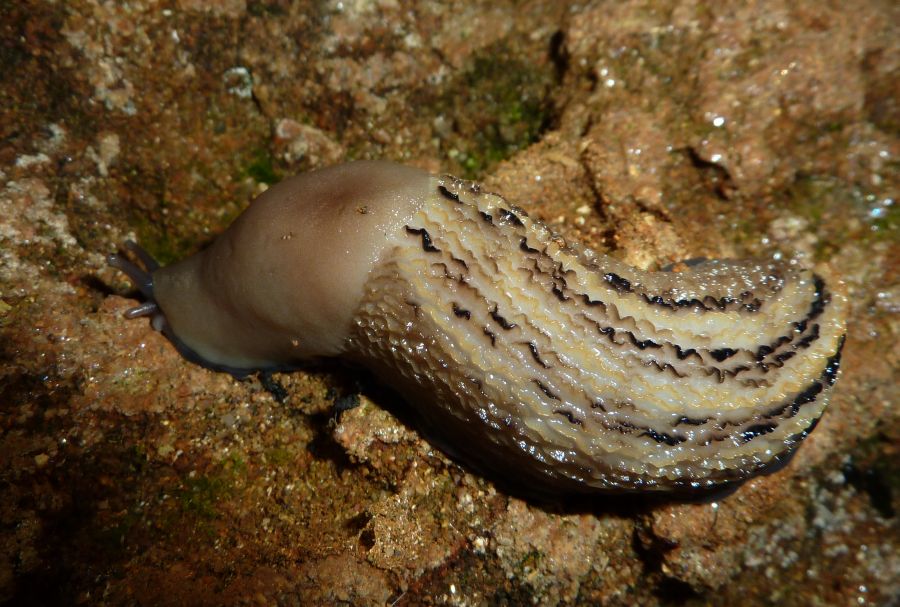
655 131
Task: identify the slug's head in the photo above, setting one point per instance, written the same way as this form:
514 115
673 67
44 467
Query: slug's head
141 276
281 285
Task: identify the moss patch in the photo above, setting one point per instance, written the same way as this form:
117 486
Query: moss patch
838 212
199 495
261 168
499 104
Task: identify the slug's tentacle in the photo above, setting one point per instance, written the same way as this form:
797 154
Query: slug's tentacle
142 279
148 308
150 264
522 353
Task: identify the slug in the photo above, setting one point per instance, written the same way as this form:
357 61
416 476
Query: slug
521 353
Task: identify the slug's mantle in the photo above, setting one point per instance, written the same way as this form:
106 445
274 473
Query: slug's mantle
520 351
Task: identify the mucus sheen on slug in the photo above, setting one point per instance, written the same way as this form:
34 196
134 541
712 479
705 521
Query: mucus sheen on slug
519 352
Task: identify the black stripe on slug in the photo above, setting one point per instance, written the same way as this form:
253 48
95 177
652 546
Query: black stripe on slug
746 301
707 304
690 421
784 356
523 246
722 354
834 364
764 351
642 345
710 371
448 194
811 393
682 354
560 275
591 303
447 273
625 428
609 332
803 433
427 245
560 295
461 262
755 383
621 285
510 217
721 303
461 312
491 335
569 416
822 298
657 300
495 314
534 354
667 367
757 430
753 306
807 340
672 304
545 390
662 437
486 217
807 396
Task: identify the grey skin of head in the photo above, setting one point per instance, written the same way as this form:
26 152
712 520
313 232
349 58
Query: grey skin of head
281 284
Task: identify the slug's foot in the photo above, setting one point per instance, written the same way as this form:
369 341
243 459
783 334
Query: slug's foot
346 402
141 277
273 387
